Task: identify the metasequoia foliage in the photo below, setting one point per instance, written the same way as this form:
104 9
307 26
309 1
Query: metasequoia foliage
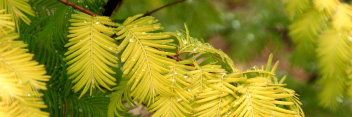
91 53
321 31
18 9
196 85
21 78
171 73
177 101
144 65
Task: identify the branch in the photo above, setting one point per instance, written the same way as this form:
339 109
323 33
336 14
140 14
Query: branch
75 6
171 57
157 9
174 57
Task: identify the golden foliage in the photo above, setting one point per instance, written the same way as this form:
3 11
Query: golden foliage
21 78
255 92
324 30
6 24
342 19
177 101
327 6
92 53
304 30
18 10
212 100
144 62
334 53
197 86
189 44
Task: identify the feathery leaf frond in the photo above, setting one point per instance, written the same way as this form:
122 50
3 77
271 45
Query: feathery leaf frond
18 9
304 32
21 79
308 26
323 31
189 44
202 74
342 19
262 95
6 24
144 61
327 6
91 53
215 99
334 51
256 92
261 99
13 54
177 102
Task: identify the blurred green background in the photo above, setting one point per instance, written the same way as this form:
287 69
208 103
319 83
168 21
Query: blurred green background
248 30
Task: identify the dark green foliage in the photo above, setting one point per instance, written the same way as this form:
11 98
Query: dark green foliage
253 27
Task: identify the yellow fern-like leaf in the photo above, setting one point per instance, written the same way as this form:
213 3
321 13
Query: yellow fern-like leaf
307 27
6 24
214 101
91 53
27 71
259 100
325 33
18 9
256 92
304 32
188 44
20 80
262 95
144 61
201 75
175 103
334 53
342 19
329 6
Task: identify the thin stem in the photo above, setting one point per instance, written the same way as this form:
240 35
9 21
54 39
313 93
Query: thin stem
174 57
64 109
75 6
157 9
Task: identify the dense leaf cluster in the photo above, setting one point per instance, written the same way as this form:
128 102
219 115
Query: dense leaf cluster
132 63
321 32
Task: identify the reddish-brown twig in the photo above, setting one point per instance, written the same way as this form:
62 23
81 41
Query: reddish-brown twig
75 6
157 9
